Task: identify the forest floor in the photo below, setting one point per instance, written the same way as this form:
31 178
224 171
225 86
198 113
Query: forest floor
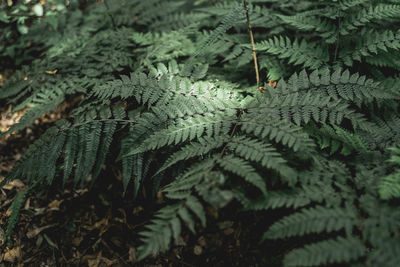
84 226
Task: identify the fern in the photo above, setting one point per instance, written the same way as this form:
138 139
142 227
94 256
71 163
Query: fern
167 226
368 14
80 143
15 208
327 252
339 139
166 85
313 220
389 186
337 220
226 23
298 53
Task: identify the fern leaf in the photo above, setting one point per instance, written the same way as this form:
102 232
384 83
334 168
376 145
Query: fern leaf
280 131
194 149
70 153
227 22
243 169
15 208
188 129
298 53
326 252
260 152
367 15
389 186
166 226
313 220
107 137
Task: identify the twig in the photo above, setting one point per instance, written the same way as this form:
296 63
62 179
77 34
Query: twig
253 47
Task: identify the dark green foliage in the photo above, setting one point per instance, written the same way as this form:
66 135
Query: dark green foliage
389 186
167 225
171 84
15 208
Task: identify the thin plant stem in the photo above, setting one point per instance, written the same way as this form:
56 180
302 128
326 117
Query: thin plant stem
253 46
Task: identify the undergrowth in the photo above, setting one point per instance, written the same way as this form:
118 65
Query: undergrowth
172 84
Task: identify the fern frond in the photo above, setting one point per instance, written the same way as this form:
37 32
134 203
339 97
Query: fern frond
368 15
43 102
337 138
389 186
371 44
277 130
83 143
15 209
332 251
308 22
194 149
181 187
304 108
347 4
262 153
15 84
105 142
314 220
167 226
188 129
227 22
337 85
293 198
298 53
243 169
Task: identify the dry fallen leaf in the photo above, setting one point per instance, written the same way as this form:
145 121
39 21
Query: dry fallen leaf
160 197
137 210
50 242
8 118
229 231
27 205
76 241
272 84
35 232
132 255
197 250
14 184
51 72
55 204
94 261
101 225
202 241
11 255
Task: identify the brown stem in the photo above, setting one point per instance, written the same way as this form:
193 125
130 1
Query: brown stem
253 46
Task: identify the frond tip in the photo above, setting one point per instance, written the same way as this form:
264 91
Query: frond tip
167 226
